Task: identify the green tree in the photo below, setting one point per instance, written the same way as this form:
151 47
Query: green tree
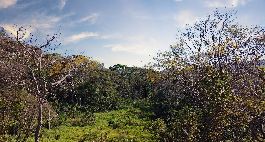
212 86
133 82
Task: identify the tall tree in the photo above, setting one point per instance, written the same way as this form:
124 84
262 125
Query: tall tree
30 64
213 82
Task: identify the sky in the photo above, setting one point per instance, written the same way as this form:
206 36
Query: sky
129 32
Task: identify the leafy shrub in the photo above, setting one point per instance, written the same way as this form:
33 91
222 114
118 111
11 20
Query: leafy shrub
83 120
158 128
94 137
212 90
19 113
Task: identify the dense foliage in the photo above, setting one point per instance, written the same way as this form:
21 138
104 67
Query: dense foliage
213 89
208 87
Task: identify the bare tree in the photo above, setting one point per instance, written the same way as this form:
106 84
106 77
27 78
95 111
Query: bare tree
31 70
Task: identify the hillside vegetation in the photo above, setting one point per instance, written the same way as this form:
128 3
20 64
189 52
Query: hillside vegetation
210 86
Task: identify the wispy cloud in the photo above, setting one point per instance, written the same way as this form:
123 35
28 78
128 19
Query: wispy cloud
62 3
42 25
89 35
111 36
224 3
185 17
221 3
38 24
7 3
91 18
136 48
45 22
139 46
81 36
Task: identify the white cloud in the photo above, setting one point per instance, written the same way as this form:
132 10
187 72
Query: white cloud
62 3
185 17
147 46
7 3
224 3
88 35
92 18
12 30
111 36
41 22
81 36
139 45
38 24
126 48
45 22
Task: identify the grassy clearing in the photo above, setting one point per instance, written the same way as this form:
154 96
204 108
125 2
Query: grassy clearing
115 126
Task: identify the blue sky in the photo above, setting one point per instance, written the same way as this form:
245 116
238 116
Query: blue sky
129 32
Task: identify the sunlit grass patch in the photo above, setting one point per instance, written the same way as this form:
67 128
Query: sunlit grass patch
118 125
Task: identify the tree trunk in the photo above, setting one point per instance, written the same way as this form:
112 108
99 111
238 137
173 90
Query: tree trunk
39 125
49 120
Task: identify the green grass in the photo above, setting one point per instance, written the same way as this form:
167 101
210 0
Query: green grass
114 126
